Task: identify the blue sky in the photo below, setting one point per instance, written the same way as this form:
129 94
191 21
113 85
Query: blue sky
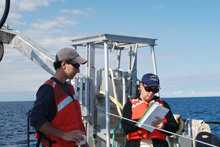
187 31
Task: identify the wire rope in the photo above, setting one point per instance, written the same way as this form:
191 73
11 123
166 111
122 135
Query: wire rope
175 134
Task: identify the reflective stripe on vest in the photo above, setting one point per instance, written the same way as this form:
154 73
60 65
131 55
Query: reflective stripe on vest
63 103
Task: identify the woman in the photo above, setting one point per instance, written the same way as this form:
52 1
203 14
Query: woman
135 108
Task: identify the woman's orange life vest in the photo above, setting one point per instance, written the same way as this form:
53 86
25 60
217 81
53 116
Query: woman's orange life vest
68 116
138 109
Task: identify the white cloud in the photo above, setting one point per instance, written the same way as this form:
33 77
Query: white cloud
19 73
17 7
56 42
13 16
53 34
29 5
77 12
52 40
51 24
16 23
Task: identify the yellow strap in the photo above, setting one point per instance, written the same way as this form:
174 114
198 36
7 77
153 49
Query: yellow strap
112 99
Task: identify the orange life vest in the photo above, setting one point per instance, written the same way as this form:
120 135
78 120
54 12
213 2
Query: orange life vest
68 116
138 109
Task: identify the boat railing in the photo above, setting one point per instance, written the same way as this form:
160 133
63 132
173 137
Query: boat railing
182 139
29 130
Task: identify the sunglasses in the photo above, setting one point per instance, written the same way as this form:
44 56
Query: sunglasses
149 89
75 65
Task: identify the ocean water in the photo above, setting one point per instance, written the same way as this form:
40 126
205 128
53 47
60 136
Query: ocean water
13 118
13 124
201 108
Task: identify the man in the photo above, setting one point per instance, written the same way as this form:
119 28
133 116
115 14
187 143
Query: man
56 114
135 108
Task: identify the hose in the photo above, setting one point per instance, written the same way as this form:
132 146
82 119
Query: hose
114 91
124 92
113 136
5 15
1 50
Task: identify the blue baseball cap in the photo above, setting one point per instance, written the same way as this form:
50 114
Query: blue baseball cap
150 80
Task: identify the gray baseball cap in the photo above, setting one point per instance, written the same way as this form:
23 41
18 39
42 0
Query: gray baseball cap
69 54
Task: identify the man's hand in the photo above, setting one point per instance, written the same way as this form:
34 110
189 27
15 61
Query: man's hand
73 136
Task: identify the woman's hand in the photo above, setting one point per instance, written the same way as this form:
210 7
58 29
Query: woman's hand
158 124
85 145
